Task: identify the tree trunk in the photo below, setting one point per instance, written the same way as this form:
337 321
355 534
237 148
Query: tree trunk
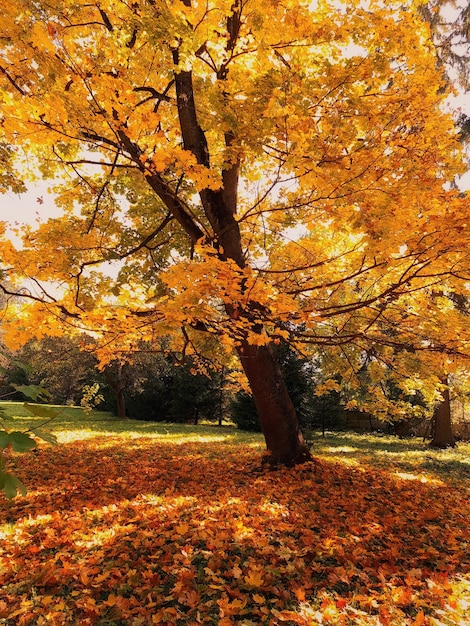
443 436
120 404
221 397
276 412
118 384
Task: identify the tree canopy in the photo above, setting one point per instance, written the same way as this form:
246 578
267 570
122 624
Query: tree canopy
237 173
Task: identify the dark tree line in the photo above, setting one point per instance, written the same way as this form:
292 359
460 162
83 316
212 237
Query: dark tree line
153 386
160 386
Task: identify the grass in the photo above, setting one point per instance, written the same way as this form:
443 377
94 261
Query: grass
74 424
398 455
129 523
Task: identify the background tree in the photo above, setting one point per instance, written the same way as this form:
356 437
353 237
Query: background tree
158 388
442 434
450 27
194 396
118 376
225 168
148 386
148 394
450 24
58 364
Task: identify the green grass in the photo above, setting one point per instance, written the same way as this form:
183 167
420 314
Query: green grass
74 423
15 413
411 455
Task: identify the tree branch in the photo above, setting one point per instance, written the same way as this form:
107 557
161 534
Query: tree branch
154 94
22 293
12 81
218 205
176 207
106 20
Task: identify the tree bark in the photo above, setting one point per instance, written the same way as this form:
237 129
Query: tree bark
443 436
120 404
118 384
276 412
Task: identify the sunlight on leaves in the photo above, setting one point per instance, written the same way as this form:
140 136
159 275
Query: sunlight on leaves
156 529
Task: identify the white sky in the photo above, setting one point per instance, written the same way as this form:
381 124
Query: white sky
25 208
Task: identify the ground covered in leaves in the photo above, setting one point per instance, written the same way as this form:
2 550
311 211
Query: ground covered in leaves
136 528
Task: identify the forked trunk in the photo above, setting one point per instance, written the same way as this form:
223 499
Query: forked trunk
275 409
276 412
443 436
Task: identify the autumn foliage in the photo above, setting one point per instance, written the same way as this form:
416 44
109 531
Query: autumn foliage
138 529
236 173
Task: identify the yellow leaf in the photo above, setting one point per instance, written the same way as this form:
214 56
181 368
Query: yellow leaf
258 598
254 578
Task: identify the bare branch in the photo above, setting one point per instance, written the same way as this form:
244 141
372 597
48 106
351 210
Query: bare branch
106 19
154 94
23 293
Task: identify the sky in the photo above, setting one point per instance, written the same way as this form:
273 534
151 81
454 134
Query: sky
28 207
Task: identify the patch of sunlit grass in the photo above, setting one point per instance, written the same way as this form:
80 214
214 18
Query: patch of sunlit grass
341 449
412 455
420 478
107 439
337 458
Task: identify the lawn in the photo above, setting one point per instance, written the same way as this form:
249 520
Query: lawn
136 523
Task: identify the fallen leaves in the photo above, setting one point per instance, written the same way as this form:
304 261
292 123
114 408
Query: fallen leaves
145 531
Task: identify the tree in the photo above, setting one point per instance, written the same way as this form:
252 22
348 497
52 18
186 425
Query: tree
148 395
158 388
225 168
194 396
450 24
442 435
118 377
58 364
450 28
301 378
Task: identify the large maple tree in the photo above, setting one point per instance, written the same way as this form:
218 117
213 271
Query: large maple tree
237 173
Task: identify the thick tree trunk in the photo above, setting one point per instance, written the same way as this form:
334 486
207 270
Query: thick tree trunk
276 412
443 436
